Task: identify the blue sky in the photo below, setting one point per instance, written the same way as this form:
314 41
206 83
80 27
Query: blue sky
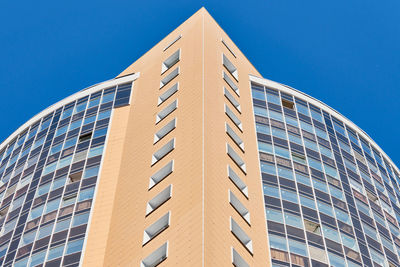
344 53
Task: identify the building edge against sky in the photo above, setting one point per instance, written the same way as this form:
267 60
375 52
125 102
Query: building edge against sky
185 176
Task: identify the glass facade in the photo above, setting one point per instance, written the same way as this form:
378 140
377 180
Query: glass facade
331 197
48 179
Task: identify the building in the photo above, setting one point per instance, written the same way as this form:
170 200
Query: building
190 158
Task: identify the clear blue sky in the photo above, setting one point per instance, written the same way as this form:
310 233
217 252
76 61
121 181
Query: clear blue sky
345 53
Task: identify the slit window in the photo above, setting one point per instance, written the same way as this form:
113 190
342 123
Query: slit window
236 158
237 260
171 61
231 99
166 111
172 42
237 181
158 200
162 98
231 83
239 207
162 152
288 104
156 228
169 77
230 67
164 130
233 117
156 257
241 235
234 136
161 174
227 47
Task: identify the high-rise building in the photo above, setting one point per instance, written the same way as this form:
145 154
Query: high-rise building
190 158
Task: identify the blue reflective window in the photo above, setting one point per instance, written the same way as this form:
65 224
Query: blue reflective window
258 94
297 247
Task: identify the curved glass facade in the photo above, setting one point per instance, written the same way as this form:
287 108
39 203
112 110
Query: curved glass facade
48 178
331 197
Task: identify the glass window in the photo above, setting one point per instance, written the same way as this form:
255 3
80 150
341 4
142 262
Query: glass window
265 147
371 232
75 124
258 94
349 242
307 202
336 192
273 98
104 114
86 194
264 129
310 144
94 101
22 263
321 133
316 116
70 142
100 132
306 126
283 152
27 238
284 172
324 208
62 225
268 168
330 233
107 98
293 220
68 201
55 252
302 109
89 119
295 139
289 195
277 242
291 120
37 258
335 260
52 205
297 247
36 212
66 113
61 130
316 164
260 111
90 172
57 183
274 215
303 179
278 133
64 162
276 115
80 107
49 168
80 219
3 250
56 149
45 230
320 185
271 191
38 142
330 171
74 246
